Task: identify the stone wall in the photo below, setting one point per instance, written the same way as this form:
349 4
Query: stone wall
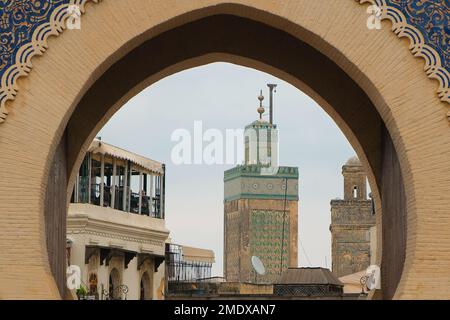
351 221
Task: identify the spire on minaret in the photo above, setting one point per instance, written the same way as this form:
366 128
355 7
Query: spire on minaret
261 109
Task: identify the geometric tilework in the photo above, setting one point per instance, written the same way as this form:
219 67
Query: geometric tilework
18 21
267 239
426 23
25 26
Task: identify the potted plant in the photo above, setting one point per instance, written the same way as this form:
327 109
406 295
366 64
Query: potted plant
81 293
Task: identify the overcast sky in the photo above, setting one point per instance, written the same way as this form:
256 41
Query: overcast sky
224 96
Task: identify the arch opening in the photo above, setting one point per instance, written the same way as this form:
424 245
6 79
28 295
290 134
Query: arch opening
114 283
145 287
50 205
218 38
93 284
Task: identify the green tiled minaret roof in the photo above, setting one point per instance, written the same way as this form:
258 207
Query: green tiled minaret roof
254 170
260 124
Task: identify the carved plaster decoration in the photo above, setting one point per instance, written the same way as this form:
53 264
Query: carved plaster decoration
426 23
25 27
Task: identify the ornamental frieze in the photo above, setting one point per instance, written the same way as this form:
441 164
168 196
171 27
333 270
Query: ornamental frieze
426 23
119 237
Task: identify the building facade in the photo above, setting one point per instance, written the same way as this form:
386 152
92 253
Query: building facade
260 208
352 223
116 230
188 269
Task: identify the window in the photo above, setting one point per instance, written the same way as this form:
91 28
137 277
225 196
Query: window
355 192
93 284
96 179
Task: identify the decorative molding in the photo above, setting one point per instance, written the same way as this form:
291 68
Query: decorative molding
260 187
261 197
119 236
253 170
25 27
426 23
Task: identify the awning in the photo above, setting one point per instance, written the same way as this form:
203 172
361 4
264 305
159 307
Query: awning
100 147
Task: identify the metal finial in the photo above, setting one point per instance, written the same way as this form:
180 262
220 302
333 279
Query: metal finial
260 97
261 108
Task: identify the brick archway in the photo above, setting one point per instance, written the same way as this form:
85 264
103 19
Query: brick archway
387 98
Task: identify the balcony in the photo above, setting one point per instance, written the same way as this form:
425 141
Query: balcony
118 179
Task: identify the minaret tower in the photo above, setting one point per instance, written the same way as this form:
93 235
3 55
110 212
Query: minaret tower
260 207
352 222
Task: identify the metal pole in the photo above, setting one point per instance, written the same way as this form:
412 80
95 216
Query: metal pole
113 187
140 192
102 179
129 189
150 209
125 188
271 87
89 178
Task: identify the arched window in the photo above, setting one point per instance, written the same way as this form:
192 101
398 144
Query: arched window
93 284
146 287
114 282
355 192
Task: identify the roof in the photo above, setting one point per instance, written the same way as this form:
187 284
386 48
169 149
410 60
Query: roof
316 276
353 161
98 146
261 124
352 282
198 255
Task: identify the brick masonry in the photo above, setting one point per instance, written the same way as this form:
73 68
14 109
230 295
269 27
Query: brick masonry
376 60
351 220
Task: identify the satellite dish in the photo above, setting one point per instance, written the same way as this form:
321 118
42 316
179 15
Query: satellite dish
258 266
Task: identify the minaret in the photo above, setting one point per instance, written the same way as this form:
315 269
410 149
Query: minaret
260 208
352 221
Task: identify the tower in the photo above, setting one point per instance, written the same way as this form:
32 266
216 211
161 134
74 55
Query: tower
260 208
351 221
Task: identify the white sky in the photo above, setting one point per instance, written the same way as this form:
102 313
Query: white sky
224 96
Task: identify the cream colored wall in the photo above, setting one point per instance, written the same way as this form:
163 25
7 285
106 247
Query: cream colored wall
130 276
103 278
123 223
377 60
159 282
94 225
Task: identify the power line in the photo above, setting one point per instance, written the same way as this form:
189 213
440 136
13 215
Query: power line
304 252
